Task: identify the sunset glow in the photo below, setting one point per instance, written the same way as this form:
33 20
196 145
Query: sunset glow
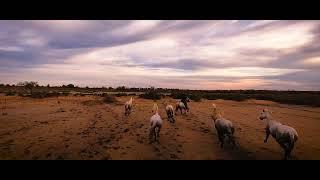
171 54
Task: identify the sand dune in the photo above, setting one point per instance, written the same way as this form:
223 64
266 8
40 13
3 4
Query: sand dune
85 128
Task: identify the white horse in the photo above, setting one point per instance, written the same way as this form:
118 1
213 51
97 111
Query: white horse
155 124
285 135
128 106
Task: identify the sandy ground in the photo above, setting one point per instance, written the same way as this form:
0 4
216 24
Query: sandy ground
84 128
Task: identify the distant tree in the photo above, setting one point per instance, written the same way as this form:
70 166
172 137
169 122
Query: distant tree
110 88
121 88
70 86
8 85
87 87
1 85
29 85
48 85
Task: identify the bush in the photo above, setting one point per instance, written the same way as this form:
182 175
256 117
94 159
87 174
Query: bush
121 94
104 94
70 86
10 93
152 94
121 88
226 96
21 94
195 97
29 85
109 99
38 95
65 93
177 95
54 94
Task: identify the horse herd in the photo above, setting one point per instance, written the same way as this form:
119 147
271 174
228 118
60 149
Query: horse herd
286 136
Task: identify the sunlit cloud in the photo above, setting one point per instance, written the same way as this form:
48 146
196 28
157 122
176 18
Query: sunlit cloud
136 27
314 61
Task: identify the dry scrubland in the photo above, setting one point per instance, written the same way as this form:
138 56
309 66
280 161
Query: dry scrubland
83 127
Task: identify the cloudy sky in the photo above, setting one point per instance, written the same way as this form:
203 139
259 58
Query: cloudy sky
174 54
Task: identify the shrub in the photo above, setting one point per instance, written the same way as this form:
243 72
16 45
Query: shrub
21 94
152 94
65 93
51 94
38 95
177 95
195 97
131 94
121 94
10 93
28 85
109 99
70 86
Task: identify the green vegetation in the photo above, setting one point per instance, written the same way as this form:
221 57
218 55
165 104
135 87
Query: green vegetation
151 94
285 97
109 99
32 89
10 93
28 85
121 94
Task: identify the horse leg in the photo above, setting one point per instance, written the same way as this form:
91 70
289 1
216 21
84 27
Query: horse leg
267 135
221 141
173 120
233 140
151 135
158 132
155 134
220 137
285 149
290 148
